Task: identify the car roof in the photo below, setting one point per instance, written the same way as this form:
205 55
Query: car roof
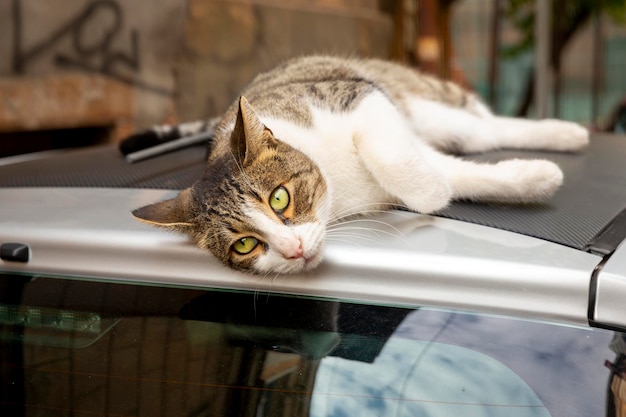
398 258
587 206
73 211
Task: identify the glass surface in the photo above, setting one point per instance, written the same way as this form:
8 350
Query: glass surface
81 348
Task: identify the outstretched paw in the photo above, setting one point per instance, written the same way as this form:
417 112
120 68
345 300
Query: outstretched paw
433 195
565 136
531 180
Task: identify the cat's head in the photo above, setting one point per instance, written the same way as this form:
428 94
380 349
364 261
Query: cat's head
261 206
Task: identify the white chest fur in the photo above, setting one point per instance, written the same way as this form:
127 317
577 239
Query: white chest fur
330 143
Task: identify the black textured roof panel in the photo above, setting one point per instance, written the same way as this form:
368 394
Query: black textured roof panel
592 197
105 166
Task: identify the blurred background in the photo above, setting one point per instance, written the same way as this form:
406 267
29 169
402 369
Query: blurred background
84 72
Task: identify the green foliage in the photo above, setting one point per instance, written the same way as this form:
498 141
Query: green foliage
567 17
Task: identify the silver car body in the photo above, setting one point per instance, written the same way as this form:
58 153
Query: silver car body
397 258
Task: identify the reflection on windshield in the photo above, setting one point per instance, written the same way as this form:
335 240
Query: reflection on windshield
83 348
418 378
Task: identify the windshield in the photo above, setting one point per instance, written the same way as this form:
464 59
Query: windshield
84 348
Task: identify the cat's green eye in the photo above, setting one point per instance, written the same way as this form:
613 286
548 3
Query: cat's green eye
279 200
245 245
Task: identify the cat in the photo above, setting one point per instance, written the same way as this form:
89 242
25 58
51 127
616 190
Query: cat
321 138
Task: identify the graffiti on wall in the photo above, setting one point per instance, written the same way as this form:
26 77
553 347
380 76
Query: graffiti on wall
88 52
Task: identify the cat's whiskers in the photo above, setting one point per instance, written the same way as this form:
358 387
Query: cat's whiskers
254 298
274 279
351 238
362 209
344 228
364 215
258 290
351 225
364 232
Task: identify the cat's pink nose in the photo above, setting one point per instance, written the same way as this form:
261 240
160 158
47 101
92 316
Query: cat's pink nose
295 251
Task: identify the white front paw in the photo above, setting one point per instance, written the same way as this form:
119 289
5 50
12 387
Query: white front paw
565 136
435 195
530 180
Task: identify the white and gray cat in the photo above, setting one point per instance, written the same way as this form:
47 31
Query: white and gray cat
322 138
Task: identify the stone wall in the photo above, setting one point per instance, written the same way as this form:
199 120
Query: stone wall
159 61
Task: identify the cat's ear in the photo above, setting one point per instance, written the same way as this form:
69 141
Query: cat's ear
172 213
250 136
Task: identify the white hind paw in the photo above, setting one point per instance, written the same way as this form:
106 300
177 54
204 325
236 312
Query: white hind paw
565 136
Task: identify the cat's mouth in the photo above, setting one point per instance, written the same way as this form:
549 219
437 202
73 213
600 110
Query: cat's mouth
313 260
311 246
308 261
291 249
